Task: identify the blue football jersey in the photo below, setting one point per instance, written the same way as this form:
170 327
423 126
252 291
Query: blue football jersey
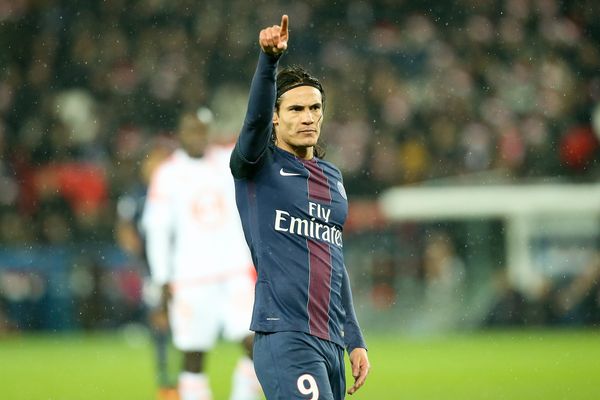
292 212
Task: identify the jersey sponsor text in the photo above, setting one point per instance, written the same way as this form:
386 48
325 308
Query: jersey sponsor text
284 222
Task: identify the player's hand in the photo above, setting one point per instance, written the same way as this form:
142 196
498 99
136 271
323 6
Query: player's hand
360 368
273 40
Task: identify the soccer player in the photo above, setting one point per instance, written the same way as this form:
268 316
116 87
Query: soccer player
130 237
196 251
293 206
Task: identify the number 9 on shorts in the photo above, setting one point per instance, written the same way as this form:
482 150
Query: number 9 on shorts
307 385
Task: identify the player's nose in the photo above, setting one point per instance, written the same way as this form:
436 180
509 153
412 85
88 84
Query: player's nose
308 117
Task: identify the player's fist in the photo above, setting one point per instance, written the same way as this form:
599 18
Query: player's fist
273 40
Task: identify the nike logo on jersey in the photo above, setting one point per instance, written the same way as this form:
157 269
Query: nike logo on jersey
284 173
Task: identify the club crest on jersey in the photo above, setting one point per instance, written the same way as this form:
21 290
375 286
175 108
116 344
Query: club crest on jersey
342 190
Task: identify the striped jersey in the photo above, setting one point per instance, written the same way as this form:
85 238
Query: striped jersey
292 212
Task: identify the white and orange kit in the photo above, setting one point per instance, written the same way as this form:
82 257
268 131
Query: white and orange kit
195 243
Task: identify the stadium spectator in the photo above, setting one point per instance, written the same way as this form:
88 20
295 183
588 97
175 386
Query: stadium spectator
444 280
197 254
575 300
509 306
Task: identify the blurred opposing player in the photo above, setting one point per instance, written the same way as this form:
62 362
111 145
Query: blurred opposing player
293 207
130 237
197 252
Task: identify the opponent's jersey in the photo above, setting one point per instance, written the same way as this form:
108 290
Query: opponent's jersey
193 231
292 212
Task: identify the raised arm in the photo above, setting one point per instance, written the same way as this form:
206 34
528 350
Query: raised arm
256 132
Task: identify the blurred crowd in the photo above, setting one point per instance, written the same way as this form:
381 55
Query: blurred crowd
468 91
433 277
478 91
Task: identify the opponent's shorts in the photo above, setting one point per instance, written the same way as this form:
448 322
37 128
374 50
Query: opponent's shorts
201 313
296 365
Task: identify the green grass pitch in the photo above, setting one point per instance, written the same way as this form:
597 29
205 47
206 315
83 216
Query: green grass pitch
508 365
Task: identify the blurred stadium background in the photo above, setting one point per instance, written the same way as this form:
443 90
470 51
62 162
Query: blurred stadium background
468 133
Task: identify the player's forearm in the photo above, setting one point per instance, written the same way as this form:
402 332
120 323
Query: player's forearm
353 337
157 224
157 251
256 131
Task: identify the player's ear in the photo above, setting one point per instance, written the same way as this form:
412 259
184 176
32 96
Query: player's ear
275 118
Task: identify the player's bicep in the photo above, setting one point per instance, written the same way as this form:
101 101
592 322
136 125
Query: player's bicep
158 209
240 166
161 185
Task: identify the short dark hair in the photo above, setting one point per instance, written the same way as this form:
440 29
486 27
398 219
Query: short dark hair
292 77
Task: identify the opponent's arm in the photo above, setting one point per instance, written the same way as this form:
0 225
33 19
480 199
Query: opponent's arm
355 343
256 131
157 222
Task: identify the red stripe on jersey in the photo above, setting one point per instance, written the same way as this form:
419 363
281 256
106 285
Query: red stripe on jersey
319 288
318 184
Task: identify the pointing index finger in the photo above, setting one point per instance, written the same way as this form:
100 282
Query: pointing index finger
284 25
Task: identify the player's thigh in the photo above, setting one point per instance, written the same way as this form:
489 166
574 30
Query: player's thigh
337 369
289 367
194 318
237 300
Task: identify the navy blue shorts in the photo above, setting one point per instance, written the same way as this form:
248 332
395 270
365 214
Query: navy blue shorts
295 365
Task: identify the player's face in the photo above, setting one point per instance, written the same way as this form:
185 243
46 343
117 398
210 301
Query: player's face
298 120
193 137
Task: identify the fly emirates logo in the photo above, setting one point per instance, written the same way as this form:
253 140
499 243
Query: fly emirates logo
311 228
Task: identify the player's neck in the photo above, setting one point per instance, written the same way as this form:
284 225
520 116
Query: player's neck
194 153
305 153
